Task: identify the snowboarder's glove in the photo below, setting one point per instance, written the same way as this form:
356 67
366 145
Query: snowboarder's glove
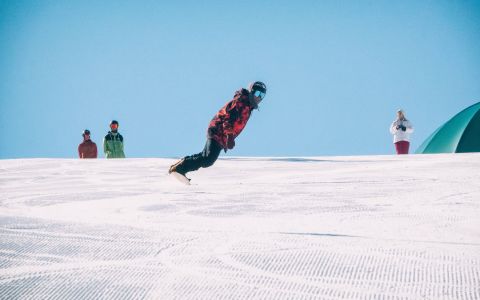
403 128
230 142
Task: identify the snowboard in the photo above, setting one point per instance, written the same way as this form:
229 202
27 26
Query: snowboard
183 179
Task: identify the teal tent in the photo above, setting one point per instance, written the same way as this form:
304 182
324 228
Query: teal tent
460 134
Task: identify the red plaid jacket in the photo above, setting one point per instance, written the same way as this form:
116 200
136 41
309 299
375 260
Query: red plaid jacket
231 119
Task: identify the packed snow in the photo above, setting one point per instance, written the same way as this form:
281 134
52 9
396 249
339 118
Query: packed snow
372 227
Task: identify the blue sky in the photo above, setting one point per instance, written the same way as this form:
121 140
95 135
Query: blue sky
336 72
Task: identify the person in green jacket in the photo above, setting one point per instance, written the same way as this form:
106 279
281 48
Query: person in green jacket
113 142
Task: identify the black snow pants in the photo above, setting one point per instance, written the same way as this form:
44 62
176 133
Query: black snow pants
204 159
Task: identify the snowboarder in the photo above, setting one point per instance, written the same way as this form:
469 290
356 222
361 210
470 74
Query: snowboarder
87 149
113 142
401 129
225 126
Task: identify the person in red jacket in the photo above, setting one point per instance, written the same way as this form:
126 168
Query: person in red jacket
87 149
225 126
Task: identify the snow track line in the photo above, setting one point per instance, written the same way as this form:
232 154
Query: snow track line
375 238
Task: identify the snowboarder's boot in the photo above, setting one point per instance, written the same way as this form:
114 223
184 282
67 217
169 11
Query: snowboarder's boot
174 167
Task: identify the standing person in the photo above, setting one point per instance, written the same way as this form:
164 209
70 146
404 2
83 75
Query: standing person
113 142
225 126
87 149
401 129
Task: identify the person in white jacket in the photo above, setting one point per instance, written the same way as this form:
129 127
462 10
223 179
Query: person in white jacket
401 129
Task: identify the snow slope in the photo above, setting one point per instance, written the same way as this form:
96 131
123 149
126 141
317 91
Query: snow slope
373 227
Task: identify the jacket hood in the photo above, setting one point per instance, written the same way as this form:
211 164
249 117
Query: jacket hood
245 96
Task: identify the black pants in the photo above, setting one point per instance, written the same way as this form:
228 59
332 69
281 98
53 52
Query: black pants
204 159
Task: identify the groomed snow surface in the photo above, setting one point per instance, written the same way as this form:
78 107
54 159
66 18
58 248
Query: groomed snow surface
373 227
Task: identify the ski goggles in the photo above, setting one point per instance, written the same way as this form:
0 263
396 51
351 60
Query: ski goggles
259 94
114 126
